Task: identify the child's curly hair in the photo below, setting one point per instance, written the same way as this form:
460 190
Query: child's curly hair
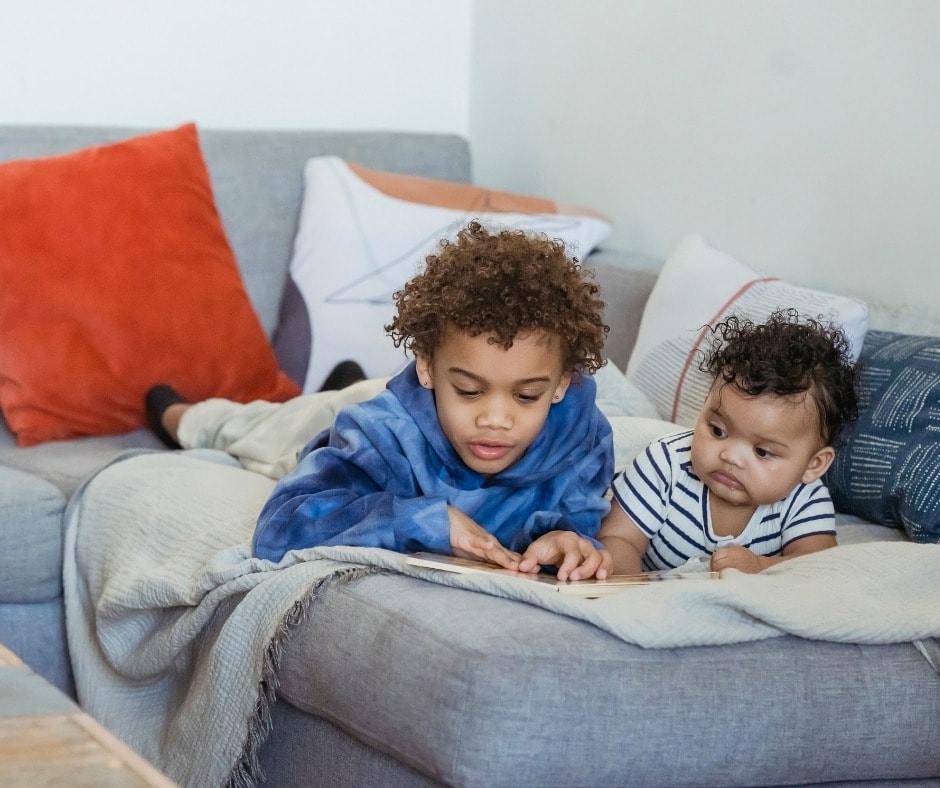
789 355
502 283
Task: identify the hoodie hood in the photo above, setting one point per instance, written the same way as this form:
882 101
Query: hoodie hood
572 424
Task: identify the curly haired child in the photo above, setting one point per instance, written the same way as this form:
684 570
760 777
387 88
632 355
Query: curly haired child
744 486
489 443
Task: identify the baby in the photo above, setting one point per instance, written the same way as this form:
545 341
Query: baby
744 486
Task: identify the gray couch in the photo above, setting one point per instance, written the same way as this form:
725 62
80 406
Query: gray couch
416 683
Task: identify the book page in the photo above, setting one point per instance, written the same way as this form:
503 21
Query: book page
588 589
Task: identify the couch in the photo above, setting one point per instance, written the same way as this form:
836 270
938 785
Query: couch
393 680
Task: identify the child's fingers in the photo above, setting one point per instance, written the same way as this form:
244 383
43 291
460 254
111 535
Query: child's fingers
570 552
529 563
546 549
487 548
578 552
506 559
597 563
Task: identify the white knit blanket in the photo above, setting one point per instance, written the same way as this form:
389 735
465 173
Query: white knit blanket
175 629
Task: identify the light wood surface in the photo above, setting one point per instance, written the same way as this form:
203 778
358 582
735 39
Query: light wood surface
47 740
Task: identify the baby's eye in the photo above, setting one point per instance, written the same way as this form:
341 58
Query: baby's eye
764 454
467 393
528 399
717 431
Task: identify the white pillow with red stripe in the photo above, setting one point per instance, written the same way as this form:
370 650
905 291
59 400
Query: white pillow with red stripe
698 287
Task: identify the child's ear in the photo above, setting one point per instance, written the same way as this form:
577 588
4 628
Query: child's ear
819 463
423 368
562 387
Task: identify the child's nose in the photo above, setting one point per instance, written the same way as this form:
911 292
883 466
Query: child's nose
496 413
729 454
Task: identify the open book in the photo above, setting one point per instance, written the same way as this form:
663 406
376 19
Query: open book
587 589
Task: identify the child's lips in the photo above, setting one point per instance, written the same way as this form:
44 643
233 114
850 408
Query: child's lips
727 480
489 451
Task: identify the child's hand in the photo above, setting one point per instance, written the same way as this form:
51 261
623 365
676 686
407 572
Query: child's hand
468 539
736 557
576 557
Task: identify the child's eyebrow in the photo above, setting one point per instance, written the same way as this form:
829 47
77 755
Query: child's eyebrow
480 379
764 441
760 439
466 374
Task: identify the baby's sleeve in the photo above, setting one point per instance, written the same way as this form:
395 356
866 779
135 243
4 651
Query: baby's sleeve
643 489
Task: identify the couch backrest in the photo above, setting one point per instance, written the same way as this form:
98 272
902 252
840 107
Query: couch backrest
258 181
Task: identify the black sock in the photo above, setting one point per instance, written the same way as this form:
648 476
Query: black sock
344 374
156 401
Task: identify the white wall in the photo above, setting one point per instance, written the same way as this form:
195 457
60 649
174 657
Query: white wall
799 135
802 136
330 64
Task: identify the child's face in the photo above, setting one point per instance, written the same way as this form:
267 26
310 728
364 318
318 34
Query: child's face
492 402
751 450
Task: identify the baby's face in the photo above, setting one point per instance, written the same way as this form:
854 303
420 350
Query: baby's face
492 402
752 450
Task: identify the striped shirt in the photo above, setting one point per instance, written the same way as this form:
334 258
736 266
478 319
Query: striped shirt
669 503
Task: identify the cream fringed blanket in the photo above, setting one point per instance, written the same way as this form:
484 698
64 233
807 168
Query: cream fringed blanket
175 630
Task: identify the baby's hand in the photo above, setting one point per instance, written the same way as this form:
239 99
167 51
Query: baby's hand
736 557
468 539
576 557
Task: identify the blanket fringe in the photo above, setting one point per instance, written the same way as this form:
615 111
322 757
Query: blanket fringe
930 650
247 770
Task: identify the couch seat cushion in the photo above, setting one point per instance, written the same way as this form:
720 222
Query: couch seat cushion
31 534
472 689
67 463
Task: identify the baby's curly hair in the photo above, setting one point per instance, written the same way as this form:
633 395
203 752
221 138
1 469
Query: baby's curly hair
789 355
503 283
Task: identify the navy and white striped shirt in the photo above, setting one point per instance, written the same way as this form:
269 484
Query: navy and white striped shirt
669 503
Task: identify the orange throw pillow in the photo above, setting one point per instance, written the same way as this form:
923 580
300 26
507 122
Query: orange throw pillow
116 274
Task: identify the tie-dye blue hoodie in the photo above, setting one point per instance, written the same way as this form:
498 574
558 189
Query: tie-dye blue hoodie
387 473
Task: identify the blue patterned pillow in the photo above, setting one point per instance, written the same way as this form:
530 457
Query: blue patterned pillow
888 468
